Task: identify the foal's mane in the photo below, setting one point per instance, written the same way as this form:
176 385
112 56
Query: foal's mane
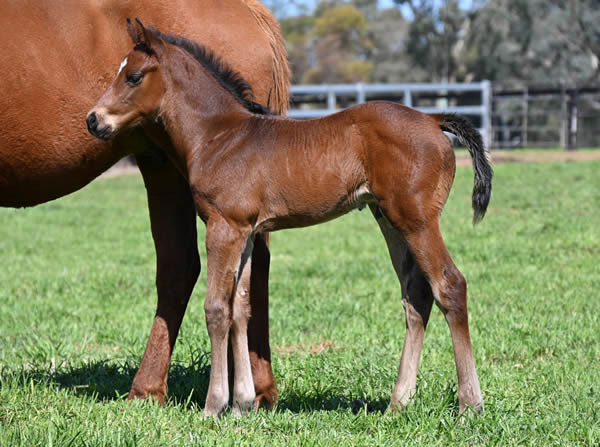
230 79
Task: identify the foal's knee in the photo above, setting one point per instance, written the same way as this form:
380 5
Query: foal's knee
218 316
452 293
241 308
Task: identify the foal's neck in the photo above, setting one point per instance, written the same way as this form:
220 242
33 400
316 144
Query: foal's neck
196 108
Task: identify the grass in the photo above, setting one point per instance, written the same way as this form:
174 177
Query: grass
77 300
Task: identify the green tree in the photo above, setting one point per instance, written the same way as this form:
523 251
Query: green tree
340 45
534 40
435 33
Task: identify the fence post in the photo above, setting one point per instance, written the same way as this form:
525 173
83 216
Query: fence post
407 98
572 135
525 130
331 102
360 93
486 116
564 118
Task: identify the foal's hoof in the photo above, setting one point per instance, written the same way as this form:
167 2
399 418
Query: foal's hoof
242 408
476 408
214 413
215 407
398 405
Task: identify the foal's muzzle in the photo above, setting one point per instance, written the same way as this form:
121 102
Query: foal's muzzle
96 129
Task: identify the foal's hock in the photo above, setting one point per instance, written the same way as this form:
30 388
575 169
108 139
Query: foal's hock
250 172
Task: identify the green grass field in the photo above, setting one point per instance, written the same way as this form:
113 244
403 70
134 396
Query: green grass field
77 300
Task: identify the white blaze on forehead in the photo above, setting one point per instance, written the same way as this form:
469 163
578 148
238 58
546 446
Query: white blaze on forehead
122 66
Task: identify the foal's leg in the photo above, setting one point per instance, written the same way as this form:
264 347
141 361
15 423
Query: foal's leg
417 300
450 292
243 388
253 287
225 247
173 220
258 325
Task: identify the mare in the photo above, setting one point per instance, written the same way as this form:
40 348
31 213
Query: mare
56 59
250 173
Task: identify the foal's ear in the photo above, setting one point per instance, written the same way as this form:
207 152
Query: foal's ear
139 34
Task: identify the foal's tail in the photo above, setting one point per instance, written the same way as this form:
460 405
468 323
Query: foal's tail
471 138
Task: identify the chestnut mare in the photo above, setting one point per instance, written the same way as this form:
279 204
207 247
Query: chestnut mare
250 173
57 58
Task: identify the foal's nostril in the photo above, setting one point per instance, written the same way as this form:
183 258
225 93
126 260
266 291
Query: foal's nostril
92 121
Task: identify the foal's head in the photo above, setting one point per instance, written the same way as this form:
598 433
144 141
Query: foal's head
136 93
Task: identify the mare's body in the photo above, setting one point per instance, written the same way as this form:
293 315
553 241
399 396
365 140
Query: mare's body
56 59
250 173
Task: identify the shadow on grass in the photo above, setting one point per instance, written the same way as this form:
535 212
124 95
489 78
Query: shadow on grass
299 403
188 385
294 401
108 381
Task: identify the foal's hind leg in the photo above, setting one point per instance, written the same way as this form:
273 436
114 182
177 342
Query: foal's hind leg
417 300
450 292
420 228
258 324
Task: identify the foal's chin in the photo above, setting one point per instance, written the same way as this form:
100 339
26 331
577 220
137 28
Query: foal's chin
109 132
105 133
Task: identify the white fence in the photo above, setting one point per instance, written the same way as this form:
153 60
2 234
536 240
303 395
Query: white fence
359 93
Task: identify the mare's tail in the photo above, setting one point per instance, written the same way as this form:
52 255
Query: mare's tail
471 138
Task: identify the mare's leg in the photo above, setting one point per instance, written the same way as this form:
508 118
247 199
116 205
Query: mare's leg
417 300
225 248
173 221
258 325
450 292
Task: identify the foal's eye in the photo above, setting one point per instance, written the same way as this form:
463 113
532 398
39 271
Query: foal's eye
135 79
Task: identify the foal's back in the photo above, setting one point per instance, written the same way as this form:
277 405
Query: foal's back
316 170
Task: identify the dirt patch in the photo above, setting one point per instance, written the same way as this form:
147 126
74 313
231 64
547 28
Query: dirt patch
317 348
542 156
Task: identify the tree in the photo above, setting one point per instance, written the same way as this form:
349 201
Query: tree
388 32
440 40
434 34
534 40
340 46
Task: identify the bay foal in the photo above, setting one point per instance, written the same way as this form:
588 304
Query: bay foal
250 172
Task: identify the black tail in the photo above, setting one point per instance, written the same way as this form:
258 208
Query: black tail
471 138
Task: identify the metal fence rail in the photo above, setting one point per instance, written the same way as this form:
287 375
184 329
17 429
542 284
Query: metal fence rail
551 115
307 100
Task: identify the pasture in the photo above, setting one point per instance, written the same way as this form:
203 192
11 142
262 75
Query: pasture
77 300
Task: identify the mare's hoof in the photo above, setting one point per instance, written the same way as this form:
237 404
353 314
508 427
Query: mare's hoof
266 399
137 393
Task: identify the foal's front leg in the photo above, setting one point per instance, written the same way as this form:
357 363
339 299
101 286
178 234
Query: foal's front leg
243 387
225 246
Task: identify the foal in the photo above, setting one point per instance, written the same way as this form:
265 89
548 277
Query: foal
250 172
